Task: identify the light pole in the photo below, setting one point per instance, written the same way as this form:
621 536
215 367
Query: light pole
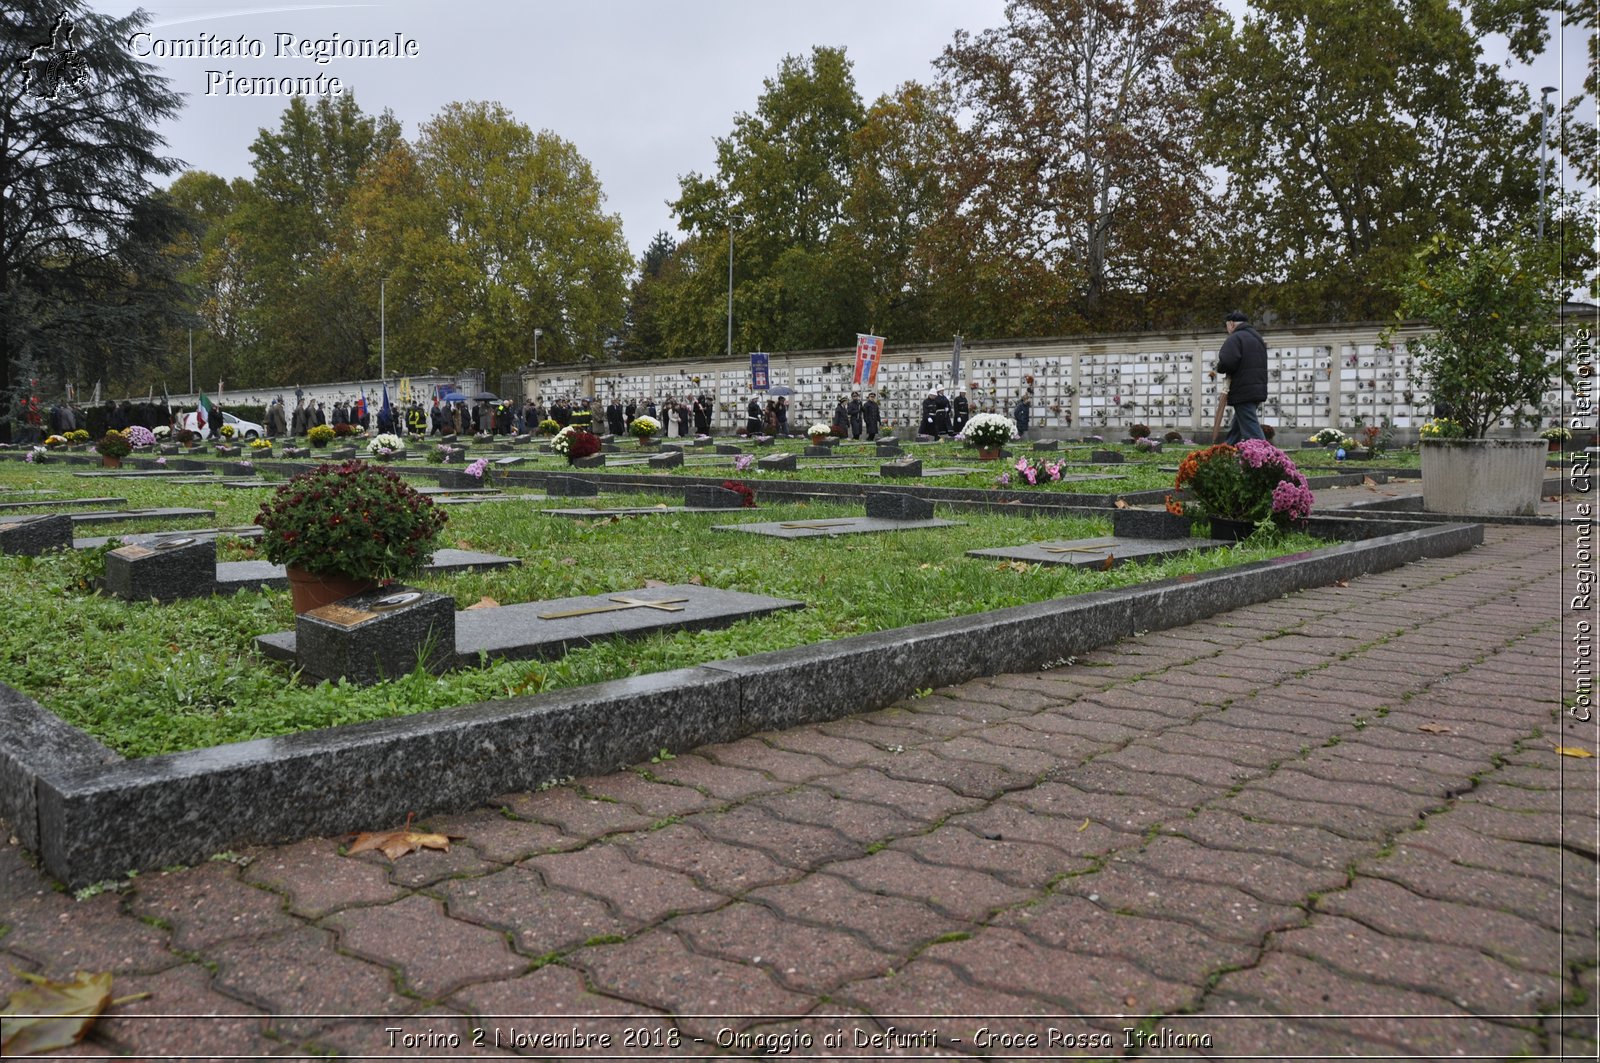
383 331
536 334
191 361
1544 118
730 291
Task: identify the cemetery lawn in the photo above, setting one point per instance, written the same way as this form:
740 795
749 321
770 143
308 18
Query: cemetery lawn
147 678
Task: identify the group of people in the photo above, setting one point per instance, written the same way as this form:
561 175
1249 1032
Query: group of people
944 416
857 416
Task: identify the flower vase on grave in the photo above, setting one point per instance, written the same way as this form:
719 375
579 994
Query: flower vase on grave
107 461
988 453
310 590
646 441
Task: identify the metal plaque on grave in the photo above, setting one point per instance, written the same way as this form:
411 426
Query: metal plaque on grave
165 570
377 635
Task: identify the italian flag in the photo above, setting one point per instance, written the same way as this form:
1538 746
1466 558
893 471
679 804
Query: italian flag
203 414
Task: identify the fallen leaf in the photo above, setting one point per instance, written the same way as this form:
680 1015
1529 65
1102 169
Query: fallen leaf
696 581
1435 729
1573 751
1341 583
462 544
1121 504
654 583
1367 481
1552 498
484 603
1109 563
60 1012
662 505
1083 826
396 843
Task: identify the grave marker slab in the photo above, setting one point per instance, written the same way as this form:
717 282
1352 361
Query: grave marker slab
1136 523
818 452
670 459
777 463
705 496
32 536
166 570
810 529
591 461
1106 457
377 635
888 450
729 448
342 453
1046 444
558 486
891 505
906 469
60 503
1106 552
548 629
233 576
112 516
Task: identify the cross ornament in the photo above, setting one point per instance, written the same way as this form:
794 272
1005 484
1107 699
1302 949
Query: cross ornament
808 524
623 601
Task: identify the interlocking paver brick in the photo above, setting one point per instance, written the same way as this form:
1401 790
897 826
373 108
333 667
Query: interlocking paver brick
207 904
1416 781
427 1032
300 979
807 959
1416 1023
1221 911
927 802
577 815
434 954
961 893
658 970
837 750
1398 912
968 778
1263 800
1248 758
1133 813
1023 864
1461 845
862 823
892 924
427 866
1433 876
554 1001
793 844
638 892
718 866
1076 841
903 1002
977 702
1463 976
60 935
317 880
1173 788
161 1024
1219 829
542 919
654 798
756 755
887 729
1273 878
1169 949
500 838
719 780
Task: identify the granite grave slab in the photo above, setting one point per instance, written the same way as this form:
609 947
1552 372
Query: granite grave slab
31 536
706 496
910 468
243 531
557 486
165 571
1107 552
113 516
822 527
777 463
891 505
380 634
59 503
548 629
670 459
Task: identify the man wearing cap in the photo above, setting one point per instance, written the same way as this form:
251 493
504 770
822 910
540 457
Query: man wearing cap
1243 360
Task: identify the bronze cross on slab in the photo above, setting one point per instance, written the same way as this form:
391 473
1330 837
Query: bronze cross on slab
666 605
1095 547
818 524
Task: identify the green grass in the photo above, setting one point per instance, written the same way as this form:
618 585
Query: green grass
148 678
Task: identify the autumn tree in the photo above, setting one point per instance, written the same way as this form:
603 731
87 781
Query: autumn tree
1082 177
642 337
1354 131
85 284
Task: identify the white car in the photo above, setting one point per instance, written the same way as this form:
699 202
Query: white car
241 429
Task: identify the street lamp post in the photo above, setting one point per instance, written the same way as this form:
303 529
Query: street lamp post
383 331
1544 118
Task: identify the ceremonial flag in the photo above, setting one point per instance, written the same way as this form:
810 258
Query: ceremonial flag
386 412
203 414
758 370
869 350
361 408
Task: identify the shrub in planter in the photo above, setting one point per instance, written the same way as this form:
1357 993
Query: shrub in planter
1138 431
575 443
55 442
644 427
990 431
140 436
1252 482
320 435
385 446
549 427
342 430
746 495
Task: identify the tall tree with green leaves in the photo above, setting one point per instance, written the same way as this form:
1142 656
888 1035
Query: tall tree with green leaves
1083 177
507 233
84 284
1355 130
642 336
781 183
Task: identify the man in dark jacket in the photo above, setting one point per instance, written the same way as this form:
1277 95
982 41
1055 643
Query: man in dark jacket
1243 360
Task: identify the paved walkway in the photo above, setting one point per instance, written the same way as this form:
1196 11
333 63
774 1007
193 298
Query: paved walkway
1332 824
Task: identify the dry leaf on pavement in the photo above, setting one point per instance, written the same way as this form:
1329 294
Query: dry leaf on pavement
1573 751
1121 504
396 843
59 1013
484 603
1435 729
1367 481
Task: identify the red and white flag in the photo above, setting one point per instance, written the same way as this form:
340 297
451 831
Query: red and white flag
869 351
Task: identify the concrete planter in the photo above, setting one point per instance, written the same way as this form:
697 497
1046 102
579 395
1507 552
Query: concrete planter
1483 477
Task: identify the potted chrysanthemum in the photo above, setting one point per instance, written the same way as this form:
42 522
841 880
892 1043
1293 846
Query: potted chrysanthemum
644 427
819 433
1239 487
341 529
575 443
113 447
386 446
989 432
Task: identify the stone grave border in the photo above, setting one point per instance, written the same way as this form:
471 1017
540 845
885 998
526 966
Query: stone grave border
91 815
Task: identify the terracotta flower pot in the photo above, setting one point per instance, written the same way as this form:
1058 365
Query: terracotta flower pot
107 461
310 590
988 453
646 441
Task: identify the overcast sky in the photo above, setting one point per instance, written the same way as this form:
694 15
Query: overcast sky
641 87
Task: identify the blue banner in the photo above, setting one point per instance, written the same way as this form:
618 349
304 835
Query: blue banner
758 370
